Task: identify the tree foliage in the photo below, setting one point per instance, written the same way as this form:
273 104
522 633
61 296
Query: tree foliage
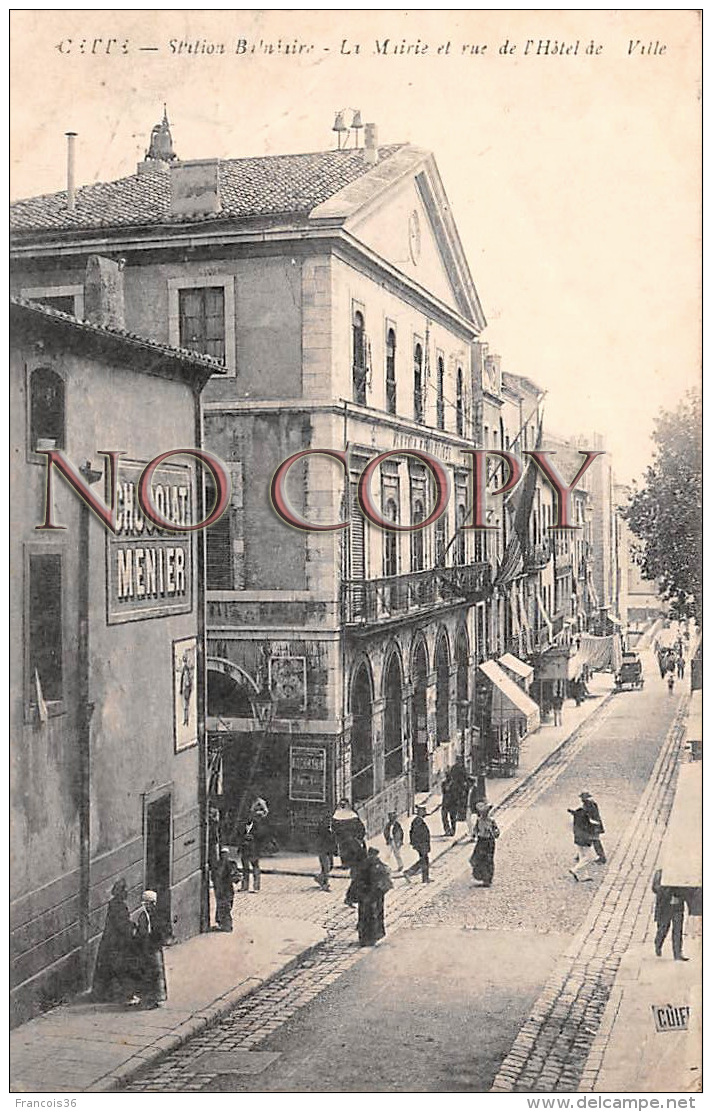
665 512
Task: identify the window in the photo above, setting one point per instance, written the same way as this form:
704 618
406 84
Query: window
418 383
417 552
201 314
460 405
218 547
390 541
441 393
359 358
46 409
68 299
44 622
459 545
391 371
480 546
440 540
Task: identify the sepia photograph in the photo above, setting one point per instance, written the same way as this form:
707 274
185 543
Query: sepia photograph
355 607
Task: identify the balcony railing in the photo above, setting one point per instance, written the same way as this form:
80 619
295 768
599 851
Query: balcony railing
537 556
369 601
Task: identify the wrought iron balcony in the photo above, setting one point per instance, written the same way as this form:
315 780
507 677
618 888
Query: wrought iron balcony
537 556
370 601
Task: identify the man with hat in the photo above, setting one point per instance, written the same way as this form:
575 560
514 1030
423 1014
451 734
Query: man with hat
591 808
420 841
394 838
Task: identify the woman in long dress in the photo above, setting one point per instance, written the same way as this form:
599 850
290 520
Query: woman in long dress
149 946
486 832
112 971
372 882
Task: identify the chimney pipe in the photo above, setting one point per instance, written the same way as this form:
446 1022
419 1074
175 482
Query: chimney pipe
71 193
370 150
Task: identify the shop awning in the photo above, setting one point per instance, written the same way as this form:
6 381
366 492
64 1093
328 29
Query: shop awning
508 700
513 664
681 851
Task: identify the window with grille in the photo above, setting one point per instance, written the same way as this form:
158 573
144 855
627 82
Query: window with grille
459 545
202 320
391 371
359 358
460 405
44 627
417 550
46 409
390 541
440 540
418 411
441 393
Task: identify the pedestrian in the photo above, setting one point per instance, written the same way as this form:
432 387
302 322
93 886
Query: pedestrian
224 888
113 973
350 836
326 849
584 835
151 984
486 833
681 667
394 837
670 682
591 807
213 836
557 704
253 835
373 880
420 841
669 911
461 787
448 806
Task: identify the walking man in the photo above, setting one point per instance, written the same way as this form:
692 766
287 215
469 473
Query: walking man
448 806
558 706
591 808
669 912
251 841
394 838
420 841
326 848
584 835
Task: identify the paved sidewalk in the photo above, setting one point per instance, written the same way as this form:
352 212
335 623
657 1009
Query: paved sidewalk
85 1047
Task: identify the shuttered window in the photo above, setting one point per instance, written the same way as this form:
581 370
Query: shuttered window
202 320
45 625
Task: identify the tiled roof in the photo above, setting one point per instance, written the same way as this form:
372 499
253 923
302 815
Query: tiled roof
183 355
271 186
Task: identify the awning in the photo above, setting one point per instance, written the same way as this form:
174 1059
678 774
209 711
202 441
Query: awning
508 700
681 851
513 664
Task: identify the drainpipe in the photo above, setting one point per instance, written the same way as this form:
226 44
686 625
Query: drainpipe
200 672
84 716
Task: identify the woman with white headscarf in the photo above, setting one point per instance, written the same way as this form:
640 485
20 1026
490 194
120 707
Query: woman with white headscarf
151 985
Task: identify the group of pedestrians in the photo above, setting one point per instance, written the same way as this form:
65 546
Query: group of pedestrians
130 967
250 837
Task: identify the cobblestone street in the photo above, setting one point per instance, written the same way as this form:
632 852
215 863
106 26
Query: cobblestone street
472 989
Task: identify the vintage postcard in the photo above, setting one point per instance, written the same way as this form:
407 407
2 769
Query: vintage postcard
355 708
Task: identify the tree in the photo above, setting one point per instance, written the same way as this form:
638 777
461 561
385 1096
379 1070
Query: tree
665 513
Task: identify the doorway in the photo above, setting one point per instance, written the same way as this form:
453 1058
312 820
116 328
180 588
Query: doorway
158 856
421 761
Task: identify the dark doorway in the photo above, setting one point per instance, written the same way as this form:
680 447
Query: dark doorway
158 856
421 764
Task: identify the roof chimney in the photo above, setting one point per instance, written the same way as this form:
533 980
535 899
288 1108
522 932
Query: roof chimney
71 192
370 150
195 187
104 292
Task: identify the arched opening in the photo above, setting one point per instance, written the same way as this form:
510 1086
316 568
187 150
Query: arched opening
359 358
391 371
442 693
361 736
421 764
418 410
392 719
